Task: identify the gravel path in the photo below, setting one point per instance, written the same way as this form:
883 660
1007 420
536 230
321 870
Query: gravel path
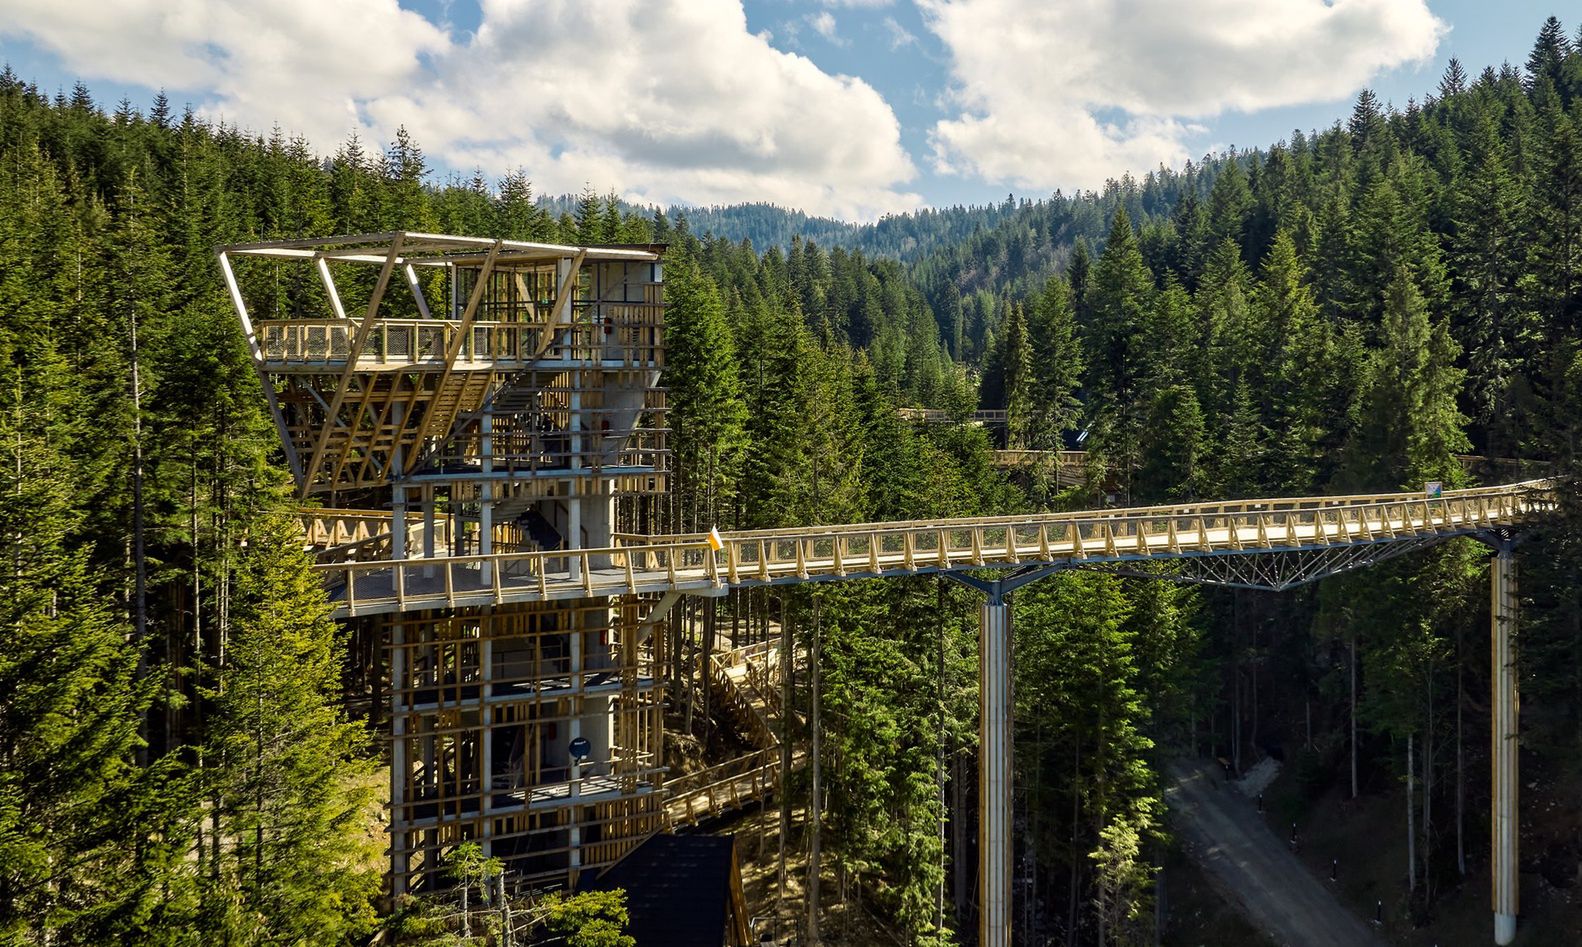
1223 832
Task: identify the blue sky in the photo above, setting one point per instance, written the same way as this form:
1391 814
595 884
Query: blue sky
844 107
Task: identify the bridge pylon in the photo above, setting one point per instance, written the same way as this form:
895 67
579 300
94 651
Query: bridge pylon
1505 704
994 749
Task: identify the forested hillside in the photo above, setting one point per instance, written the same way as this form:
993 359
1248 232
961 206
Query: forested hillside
1349 310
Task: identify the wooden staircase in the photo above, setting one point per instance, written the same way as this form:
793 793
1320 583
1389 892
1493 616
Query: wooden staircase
744 685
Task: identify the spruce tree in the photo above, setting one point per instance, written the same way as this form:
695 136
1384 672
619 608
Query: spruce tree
1408 428
69 705
291 779
1548 56
1120 293
707 411
1016 367
1057 366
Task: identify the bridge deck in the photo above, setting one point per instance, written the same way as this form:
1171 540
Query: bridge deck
869 550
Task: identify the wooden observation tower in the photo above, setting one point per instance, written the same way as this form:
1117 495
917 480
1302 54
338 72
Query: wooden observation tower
441 397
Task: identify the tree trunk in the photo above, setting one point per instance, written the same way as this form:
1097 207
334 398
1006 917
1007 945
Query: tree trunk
1075 856
1307 715
1252 663
1353 670
814 799
1461 779
1428 794
785 741
939 612
1235 715
1411 820
139 552
1235 677
958 843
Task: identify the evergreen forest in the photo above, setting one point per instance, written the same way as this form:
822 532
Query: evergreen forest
1358 308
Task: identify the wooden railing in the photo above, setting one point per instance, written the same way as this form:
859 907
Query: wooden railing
631 335
760 674
723 787
341 536
343 527
751 697
940 416
1070 466
823 553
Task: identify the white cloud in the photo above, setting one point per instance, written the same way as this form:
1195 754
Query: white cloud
301 63
899 35
1062 94
823 23
673 100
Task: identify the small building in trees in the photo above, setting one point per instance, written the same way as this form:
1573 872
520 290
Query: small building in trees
681 891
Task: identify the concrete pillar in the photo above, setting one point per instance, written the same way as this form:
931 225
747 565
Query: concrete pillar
573 731
1505 705
486 738
486 495
397 522
400 837
994 772
574 482
397 497
429 527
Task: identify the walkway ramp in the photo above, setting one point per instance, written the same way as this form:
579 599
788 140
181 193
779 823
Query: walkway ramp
744 686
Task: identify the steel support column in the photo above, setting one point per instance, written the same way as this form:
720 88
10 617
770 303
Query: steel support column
994 771
995 805
1506 704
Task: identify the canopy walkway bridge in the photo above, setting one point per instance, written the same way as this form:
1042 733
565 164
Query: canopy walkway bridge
1260 543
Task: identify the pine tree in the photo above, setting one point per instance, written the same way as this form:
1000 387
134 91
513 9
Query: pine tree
1486 297
589 220
1454 80
1057 366
1407 426
1547 59
291 780
69 706
1367 124
405 167
707 411
1555 239
1120 292
1229 205
1172 443
1016 367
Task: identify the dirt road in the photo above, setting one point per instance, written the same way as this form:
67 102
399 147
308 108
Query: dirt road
1277 894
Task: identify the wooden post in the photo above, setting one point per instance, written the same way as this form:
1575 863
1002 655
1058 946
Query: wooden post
1505 704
